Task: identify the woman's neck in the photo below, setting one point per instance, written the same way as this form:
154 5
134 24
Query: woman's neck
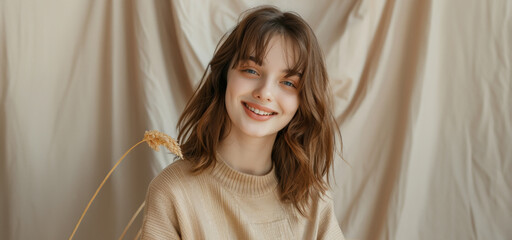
247 154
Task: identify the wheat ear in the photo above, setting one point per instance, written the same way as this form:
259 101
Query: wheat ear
154 139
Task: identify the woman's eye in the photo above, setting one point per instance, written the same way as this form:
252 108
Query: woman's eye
251 71
290 84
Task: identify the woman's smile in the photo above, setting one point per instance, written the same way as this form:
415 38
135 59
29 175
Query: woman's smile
258 112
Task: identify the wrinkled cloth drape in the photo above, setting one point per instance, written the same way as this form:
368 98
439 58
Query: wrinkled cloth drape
422 94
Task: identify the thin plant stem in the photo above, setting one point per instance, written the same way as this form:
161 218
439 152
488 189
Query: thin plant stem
138 234
99 188
131 220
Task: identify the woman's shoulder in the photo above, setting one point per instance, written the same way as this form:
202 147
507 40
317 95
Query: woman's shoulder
322 201
173 175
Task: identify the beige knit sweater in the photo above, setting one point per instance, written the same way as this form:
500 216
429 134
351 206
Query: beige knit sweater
222 203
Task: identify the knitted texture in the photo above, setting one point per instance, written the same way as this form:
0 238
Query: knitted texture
222 203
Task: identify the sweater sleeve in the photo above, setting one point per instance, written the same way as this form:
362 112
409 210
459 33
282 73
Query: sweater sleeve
160 218
328 226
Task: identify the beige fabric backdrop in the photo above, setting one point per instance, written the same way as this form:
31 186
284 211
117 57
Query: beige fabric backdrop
423 96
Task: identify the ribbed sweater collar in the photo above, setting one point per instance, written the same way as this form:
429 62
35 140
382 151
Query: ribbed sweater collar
242 183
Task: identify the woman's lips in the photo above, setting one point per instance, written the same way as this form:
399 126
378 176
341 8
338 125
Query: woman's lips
266 113
259 107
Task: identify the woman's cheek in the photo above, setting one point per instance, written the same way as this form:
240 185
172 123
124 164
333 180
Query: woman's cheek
290 103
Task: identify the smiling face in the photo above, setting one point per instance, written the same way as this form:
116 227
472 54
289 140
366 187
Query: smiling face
262 99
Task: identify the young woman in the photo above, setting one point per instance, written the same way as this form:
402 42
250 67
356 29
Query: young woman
258 139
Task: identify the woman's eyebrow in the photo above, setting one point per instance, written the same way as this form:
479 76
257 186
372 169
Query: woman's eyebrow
289 72
248 61
252 58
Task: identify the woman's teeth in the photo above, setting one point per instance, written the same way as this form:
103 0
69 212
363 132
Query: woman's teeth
257 111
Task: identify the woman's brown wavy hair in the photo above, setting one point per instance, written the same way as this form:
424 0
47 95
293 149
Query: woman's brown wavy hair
303 150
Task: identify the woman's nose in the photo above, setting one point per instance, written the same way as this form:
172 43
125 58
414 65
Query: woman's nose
263 91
